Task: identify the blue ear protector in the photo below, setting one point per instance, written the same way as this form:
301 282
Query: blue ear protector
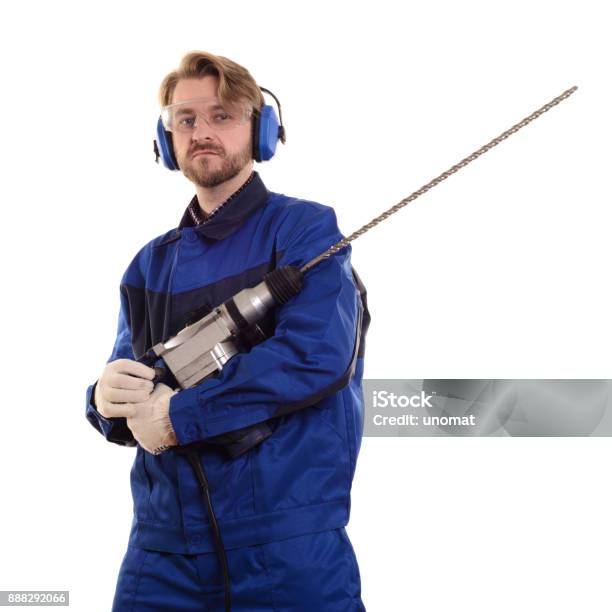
266 132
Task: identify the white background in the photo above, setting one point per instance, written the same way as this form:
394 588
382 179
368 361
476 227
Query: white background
502 271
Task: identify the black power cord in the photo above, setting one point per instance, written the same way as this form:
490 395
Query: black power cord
194 459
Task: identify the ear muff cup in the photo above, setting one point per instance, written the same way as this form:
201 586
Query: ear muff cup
163 147
265 133
268 133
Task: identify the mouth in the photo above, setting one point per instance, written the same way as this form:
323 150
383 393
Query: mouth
197 153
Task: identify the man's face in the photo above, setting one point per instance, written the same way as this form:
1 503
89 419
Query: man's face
231 148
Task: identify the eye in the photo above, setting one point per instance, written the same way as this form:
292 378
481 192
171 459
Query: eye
187 121
222 118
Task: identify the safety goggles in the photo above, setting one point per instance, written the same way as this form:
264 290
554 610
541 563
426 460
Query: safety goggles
183 116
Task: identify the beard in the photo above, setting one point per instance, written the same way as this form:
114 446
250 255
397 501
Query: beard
206 171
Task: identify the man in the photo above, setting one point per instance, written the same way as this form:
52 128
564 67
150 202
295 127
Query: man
282 504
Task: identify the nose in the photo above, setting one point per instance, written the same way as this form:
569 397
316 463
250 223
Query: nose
201 128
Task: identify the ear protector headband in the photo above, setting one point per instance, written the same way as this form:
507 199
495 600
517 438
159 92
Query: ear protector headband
266 132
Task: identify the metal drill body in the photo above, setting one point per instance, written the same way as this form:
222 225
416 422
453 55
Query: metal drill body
201 349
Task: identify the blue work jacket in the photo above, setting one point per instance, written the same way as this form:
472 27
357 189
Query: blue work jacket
304 380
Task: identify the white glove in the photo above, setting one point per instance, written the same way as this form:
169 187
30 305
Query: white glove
150 423
123 383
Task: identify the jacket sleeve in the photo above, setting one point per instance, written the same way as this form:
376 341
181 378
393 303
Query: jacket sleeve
114 429
306 359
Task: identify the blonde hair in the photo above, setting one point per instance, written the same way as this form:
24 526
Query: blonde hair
236 85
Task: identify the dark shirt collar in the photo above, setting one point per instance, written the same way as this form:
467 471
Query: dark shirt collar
233 213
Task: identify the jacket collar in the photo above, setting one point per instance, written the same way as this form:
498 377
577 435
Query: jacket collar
233 213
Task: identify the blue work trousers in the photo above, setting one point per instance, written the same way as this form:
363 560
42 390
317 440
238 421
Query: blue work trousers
316 572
